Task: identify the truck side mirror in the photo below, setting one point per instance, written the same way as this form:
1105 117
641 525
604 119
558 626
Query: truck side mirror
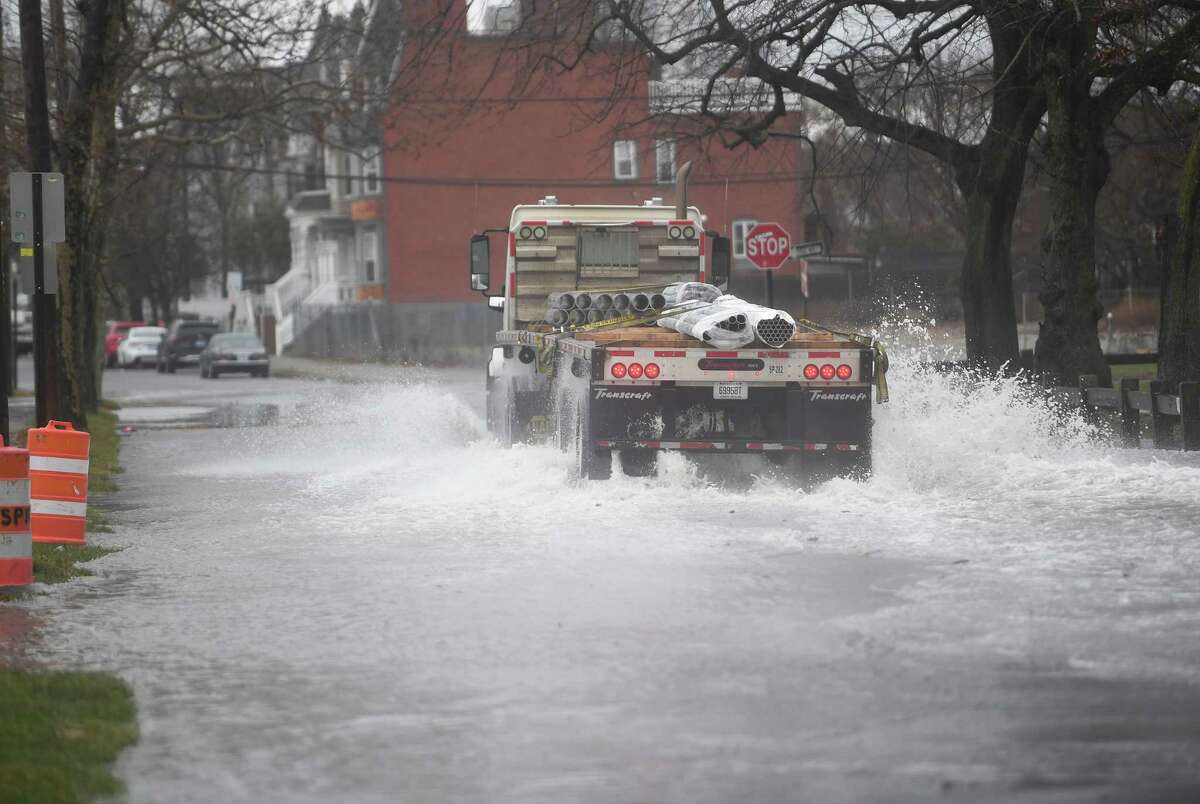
720 260
480 262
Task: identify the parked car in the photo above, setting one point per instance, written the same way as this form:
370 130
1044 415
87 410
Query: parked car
234 351
140 346
117 330
183 343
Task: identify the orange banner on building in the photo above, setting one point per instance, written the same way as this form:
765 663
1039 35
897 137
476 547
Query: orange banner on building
368 209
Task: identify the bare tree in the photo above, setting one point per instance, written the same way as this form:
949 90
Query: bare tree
865 63
1179 325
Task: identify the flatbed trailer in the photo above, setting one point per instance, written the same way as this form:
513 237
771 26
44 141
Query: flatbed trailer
637 391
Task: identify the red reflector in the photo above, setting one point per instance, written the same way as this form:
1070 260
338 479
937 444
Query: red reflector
635 371
652 371
617 370
772 354
668 353
827 371
811 371
843 372
512 286
512 244
721 354
621 353
815 355
644 223
701 254
534 223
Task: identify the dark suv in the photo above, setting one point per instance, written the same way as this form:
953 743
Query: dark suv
184 342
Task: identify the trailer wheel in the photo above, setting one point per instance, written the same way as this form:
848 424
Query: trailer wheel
502 413
639 462
591 463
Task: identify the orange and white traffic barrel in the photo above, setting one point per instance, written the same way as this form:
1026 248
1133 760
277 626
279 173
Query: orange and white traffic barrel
58 471
16 546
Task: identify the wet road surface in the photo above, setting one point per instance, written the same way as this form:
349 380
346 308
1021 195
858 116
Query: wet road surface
345 592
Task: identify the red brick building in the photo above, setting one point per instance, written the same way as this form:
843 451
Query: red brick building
479 133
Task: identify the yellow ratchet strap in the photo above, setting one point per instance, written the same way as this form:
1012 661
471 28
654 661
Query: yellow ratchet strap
881 358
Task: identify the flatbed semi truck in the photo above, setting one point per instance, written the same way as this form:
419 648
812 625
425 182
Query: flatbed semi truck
630 390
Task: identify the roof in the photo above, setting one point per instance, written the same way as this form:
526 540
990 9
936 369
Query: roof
311 201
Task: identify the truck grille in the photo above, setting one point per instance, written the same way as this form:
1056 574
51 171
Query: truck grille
608 252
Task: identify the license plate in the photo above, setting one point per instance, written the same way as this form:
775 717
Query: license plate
200 343
731 390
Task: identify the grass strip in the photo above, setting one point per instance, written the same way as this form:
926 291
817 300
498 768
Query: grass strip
60 733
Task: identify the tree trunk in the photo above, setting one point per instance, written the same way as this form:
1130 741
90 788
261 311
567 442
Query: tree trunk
88 168
1077 163
992 189
1179 323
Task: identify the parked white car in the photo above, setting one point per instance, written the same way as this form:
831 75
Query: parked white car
140 347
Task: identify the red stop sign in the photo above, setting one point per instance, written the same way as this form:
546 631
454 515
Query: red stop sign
768 245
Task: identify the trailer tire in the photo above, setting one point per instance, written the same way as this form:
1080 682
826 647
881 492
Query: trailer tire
502 413
591 463
639 462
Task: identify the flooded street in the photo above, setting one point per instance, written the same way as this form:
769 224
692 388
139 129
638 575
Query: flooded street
345 592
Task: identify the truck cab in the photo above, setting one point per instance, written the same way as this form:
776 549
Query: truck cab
553 247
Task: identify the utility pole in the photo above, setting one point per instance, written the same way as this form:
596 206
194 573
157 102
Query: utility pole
8 339
37 136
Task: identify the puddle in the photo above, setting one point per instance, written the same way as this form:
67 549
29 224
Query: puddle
193 416
161 414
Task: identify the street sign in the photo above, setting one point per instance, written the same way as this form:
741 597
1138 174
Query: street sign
813 248
54 217
49 271
768 246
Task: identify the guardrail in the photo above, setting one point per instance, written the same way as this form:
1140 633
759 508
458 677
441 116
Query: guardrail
1167 411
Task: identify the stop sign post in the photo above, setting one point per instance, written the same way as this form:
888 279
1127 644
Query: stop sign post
768 246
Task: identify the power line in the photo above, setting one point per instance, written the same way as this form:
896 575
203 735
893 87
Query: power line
451 181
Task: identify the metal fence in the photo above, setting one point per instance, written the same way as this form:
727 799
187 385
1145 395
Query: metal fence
1174 418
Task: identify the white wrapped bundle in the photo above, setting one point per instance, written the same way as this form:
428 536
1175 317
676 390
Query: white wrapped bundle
704 322
681 292
773 327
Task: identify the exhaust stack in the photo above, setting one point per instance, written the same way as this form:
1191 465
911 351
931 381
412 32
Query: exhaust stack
681 180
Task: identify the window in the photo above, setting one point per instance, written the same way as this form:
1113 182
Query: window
347 175
664 161
740 230
625 159
371 175
368 246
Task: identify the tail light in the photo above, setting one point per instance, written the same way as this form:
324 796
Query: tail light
618 370
811 371
635 371
827 371
843 372
652 371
